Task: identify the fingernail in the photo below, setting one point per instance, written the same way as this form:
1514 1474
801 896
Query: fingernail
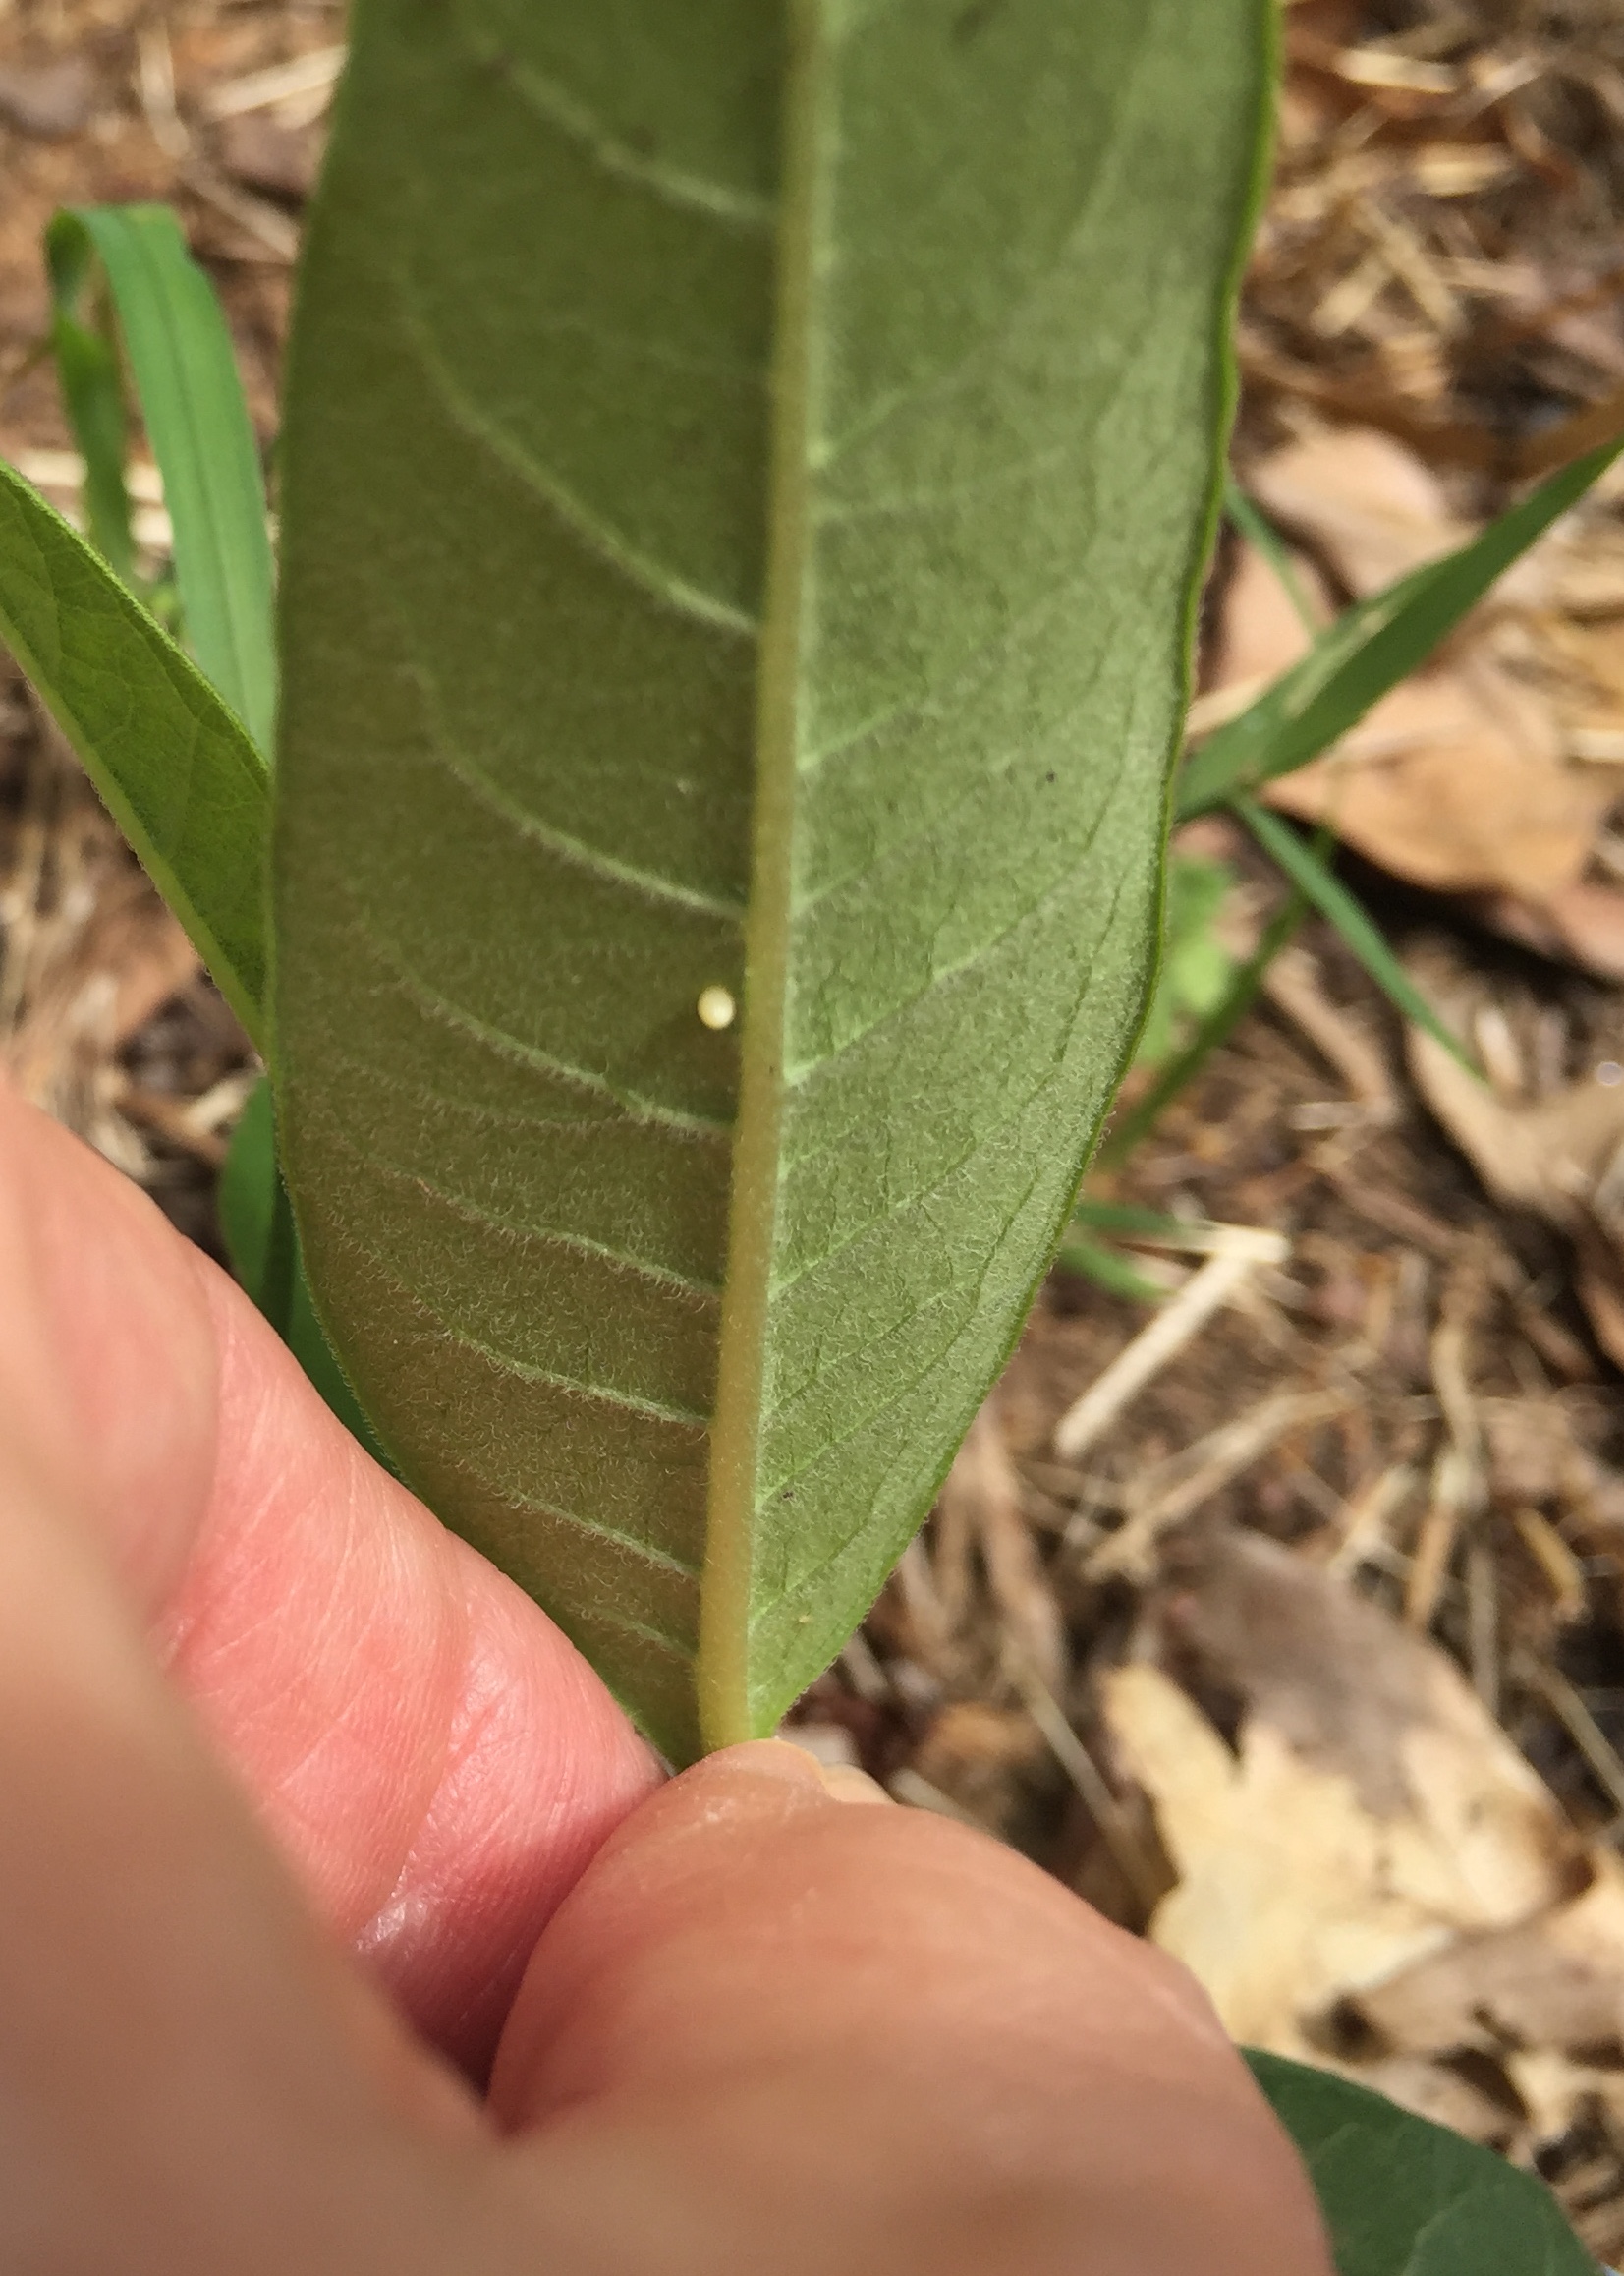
847 1783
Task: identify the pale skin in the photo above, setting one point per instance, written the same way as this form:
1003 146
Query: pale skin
308 1819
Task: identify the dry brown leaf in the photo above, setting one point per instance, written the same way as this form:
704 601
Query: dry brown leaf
1361 500
1457 780
1544 2003
1582 924
1555 1983
1561 1156
1439 2092
1371 1814
1260 633
1460 779
263 154
50 100
1559 2094
1546 1154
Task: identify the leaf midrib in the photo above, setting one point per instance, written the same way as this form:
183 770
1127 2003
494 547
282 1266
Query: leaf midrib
723 1669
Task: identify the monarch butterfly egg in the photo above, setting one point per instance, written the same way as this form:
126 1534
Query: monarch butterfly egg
716 1007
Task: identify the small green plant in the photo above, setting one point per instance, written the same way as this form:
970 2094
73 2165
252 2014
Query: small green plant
743 493
1196 969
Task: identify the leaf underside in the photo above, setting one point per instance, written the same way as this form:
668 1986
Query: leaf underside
746 473
1404 2197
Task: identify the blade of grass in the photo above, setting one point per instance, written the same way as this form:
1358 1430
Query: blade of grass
1128 1221
1370 648
91 382
1215 1029
1259 532
1317 883
1108 1271
182 779
190 397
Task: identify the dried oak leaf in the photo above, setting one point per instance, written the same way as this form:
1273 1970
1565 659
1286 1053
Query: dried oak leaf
1580 923
1554 1984
1370 1813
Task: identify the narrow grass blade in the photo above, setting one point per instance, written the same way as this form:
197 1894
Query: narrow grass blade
1370 648
1215 1029
1307 872
1108 1270
186 378
92 381
263 1244
182 781
1130 1221
1258 530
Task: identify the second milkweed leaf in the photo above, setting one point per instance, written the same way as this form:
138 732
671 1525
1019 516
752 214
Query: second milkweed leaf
173 763
1402 2196
747 469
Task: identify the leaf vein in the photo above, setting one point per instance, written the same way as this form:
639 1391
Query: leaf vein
936 695
527 1370
577 851
561 108
795 1077
637 1105
865 1421
666 1560
598 536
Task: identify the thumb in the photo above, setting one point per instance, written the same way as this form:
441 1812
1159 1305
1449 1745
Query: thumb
768 2028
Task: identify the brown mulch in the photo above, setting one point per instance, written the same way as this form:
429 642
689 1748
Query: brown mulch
1417 1401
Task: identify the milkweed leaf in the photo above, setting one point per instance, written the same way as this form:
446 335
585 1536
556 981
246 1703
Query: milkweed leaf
1402 2196
746 477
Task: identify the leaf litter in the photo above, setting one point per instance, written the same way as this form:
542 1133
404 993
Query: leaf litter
1310 1662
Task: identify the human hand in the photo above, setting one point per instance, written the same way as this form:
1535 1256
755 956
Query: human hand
302 1805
